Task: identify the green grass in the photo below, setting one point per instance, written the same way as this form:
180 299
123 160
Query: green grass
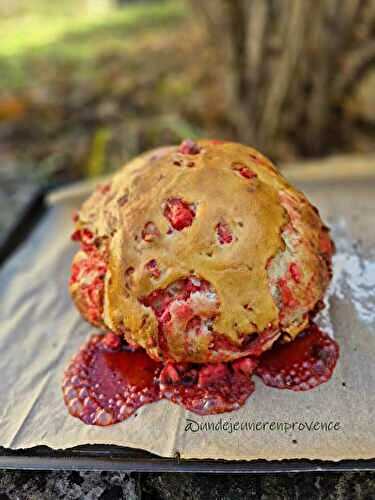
31 32
85 93
76 39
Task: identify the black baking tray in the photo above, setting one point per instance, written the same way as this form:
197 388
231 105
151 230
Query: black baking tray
119 458
112 458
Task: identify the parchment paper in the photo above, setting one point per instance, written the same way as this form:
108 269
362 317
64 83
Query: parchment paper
40 331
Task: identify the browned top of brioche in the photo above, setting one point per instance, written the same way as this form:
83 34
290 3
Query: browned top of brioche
211 182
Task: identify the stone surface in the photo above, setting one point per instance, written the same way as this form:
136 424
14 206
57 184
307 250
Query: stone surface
302 486
36 485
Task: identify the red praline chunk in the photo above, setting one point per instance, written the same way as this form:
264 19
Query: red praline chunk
189 147
287 298
224 234
88 273
179 213
295 272
243 170
152 268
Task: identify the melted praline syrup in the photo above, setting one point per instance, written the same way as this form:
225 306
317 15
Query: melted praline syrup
206 389
108 380
302 364
105 383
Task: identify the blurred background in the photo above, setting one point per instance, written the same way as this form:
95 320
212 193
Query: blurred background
87 84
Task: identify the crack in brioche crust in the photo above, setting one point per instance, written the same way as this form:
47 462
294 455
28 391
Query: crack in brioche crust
237 225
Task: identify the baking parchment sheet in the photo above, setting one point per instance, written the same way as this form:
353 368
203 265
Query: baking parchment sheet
40 330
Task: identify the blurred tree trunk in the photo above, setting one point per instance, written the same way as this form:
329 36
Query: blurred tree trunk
290 64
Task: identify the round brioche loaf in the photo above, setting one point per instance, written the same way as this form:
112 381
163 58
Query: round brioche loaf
200 253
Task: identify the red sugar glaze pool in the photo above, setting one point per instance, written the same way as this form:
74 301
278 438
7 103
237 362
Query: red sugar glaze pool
208 389
105 385
302 364
107 381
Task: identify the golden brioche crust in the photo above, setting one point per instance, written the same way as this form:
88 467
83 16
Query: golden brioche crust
272 226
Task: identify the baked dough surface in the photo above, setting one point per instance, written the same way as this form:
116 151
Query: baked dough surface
255 247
